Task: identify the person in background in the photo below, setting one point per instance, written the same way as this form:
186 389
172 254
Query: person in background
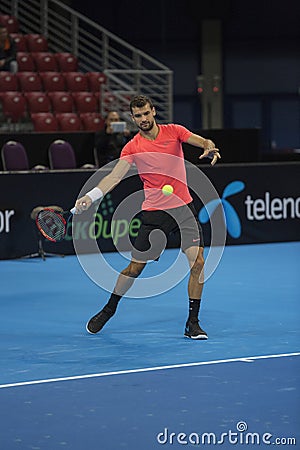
8 52
108 143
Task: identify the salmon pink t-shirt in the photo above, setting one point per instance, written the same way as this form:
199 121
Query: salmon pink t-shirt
160 162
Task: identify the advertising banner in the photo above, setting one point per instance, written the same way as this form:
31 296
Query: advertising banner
259 203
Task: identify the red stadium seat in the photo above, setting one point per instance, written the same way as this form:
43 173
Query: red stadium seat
98 98
45 62
14 106
109 100
8 82
9 22
36 42
68 122
44 122
61 102
95 80
25 62
106 101
29 81
37 102
67 62
76 81
20 41
85 102
92 121
53 81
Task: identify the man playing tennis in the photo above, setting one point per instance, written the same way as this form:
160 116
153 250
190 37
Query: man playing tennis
153 150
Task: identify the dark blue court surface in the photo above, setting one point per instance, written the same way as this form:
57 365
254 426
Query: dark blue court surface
140 384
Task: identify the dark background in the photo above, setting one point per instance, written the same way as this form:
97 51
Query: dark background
261 58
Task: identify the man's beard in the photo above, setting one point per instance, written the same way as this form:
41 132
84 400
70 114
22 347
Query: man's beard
148 128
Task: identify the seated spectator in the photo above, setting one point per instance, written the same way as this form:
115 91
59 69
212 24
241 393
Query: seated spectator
108 142
8 52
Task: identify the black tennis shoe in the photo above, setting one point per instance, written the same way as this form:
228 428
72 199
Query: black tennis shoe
194 331
97 322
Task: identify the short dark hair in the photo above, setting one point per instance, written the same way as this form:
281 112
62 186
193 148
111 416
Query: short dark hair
111 111
139 101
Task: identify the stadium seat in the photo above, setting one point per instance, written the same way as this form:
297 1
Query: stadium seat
25 62
85 102
61 101
45 62
36 42
14 156
20 41
53 81
29 81
76 81
66 62
92 121
61 155
37 102
44 122
109 100
95 80
106 102
9 22
8 82
68 122
98 97
13 106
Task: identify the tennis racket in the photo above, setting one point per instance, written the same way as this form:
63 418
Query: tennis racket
53 224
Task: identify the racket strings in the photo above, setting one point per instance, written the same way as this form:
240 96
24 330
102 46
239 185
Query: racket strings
51 224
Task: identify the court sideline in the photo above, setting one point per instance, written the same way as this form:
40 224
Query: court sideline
140 380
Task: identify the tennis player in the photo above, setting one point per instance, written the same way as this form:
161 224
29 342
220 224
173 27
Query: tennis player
150 150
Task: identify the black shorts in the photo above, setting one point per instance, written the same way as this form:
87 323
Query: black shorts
156 227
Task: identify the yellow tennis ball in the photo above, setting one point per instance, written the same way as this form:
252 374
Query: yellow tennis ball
167 189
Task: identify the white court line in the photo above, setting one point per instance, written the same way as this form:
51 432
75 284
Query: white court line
147 369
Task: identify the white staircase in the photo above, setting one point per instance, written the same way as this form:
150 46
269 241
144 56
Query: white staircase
129 71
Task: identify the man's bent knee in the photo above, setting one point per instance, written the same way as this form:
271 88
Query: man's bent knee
198 265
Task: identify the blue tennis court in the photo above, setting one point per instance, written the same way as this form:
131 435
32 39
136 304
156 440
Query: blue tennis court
140 384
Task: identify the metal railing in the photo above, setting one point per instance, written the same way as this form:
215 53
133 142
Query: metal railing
128 70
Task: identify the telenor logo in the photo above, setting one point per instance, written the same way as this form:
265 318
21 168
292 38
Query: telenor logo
232 220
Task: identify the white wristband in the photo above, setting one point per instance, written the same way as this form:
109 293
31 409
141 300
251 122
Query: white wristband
95 194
